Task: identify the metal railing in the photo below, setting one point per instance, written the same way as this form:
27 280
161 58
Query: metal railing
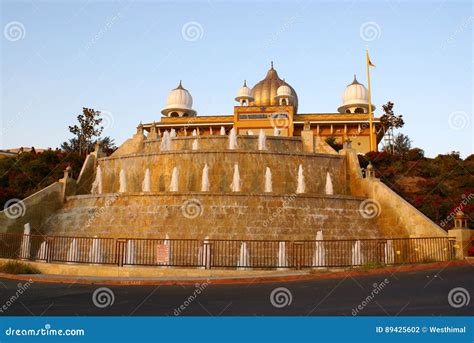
225 253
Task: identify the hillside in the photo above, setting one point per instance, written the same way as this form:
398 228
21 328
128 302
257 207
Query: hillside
438 186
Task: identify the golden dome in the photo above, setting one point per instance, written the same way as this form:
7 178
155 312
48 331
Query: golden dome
265 91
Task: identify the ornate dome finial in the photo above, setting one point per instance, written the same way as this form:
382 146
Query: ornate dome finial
355 82
245 83
271 64
180 86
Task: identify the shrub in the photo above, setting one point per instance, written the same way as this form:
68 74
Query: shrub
16 267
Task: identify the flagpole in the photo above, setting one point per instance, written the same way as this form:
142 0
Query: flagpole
371 134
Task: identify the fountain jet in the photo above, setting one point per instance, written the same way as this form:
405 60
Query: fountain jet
301 184
232 139
262 140
236 179
174 180
122 182
146 184
268 181
97 184
329 188
205 179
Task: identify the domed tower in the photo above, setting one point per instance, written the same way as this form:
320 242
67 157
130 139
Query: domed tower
179 103
265 92
355 99
284 96
244 95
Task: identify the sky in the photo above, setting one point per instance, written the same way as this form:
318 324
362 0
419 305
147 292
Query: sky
124 57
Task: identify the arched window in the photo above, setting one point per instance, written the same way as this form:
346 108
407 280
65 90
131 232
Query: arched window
284 102
348 111
174 114
244 102
359 110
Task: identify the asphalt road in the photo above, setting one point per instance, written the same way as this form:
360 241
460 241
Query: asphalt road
405 294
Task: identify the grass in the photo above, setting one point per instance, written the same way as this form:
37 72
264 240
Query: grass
15 267
369 266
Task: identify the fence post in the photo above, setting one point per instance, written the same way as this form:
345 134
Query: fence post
120 251
298 246
207 254
49 248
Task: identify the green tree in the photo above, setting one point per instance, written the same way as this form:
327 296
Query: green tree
401 144
86 132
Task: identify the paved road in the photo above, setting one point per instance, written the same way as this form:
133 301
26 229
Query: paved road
406 294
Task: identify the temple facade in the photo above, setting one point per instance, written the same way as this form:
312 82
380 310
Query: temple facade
272 105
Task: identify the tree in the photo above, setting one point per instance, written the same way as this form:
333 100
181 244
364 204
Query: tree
86 132
390 121
401 144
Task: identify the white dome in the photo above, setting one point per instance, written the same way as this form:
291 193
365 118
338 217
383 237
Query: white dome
244 93
355 96
284 90
180 101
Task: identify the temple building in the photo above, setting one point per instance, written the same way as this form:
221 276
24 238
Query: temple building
272 105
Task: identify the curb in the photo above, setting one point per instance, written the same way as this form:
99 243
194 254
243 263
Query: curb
236 280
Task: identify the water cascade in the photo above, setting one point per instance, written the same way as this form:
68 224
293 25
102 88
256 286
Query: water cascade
236 179
146 184
173 133
356 254
73 252
174 180
268 181
165 144
244 257
276 132
262 140
95 254
97 184
301 184
26 242
389 253
222 131
195 144
205 179
194 133
232 139
122 182
319 258
282 258
329 188
130 252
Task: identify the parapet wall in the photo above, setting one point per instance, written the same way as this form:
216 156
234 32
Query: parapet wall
252 166
34 209
396 217
216 215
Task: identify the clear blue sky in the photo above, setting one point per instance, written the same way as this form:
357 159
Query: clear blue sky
124 57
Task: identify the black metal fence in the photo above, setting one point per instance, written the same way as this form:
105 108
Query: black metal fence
225 253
